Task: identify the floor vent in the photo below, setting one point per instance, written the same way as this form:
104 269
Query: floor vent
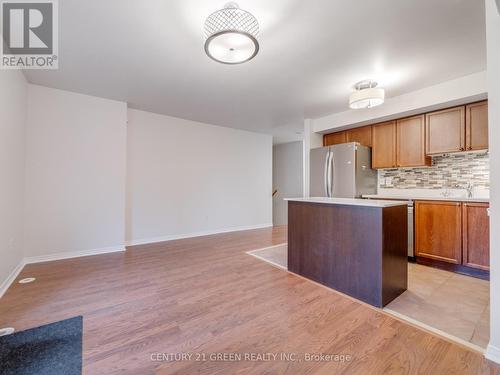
27 280
6 331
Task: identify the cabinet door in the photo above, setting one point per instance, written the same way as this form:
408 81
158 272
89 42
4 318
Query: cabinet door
361 135
445 131
476 126
334 139
438 231
384 145
476 235
411 142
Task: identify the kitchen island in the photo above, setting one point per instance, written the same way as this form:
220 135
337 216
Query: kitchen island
355 246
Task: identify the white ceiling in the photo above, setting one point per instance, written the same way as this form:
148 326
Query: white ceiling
150 54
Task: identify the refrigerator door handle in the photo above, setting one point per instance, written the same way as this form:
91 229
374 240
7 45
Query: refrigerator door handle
326 177
332 176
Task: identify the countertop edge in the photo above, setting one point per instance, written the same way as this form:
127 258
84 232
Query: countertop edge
444 199
355 202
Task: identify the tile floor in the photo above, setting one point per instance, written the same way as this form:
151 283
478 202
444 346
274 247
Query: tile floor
277 255
455 304
450 302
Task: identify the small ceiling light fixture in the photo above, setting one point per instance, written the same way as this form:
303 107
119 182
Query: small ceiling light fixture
367 95
231 35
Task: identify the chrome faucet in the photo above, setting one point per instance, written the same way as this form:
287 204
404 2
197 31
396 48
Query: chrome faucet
446 193
470 189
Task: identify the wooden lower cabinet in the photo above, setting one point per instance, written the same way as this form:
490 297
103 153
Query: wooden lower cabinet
476 235
453 233
438 231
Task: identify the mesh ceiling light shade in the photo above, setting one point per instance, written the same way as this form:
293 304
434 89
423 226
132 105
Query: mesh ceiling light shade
231 35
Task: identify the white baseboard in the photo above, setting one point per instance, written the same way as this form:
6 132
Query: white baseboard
76 254
144 241
50 257
493 353
73 254
10 279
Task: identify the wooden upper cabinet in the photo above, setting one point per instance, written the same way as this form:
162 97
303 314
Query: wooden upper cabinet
361 135
400 143
438 231
384 145
445 131
334 138
411 142
476 126
476 235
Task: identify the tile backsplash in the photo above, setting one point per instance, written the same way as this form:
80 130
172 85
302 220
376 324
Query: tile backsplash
447 171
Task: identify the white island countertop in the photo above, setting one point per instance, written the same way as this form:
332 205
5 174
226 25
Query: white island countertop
350 201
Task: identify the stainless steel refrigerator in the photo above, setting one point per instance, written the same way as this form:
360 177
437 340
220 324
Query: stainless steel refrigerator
342 171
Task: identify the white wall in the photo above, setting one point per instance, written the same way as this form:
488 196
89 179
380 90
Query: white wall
75 173
455 92
13 100
187 178
493 47
287 178
311 140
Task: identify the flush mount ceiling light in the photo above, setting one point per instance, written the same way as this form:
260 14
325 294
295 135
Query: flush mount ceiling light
231 35
367 95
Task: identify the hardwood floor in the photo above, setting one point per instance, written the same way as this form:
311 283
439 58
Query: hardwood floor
205 295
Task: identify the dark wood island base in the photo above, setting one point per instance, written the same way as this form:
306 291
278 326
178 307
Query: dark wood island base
353 247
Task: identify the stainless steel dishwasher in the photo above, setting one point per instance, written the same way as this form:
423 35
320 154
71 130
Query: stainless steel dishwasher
411 250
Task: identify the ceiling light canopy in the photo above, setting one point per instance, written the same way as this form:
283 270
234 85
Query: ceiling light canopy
231 35
367 95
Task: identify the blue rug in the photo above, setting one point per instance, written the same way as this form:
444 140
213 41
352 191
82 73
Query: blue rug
52 349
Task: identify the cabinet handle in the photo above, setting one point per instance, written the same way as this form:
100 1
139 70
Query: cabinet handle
462 149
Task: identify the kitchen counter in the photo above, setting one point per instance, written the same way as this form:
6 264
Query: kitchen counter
425 198
350 201
355 246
